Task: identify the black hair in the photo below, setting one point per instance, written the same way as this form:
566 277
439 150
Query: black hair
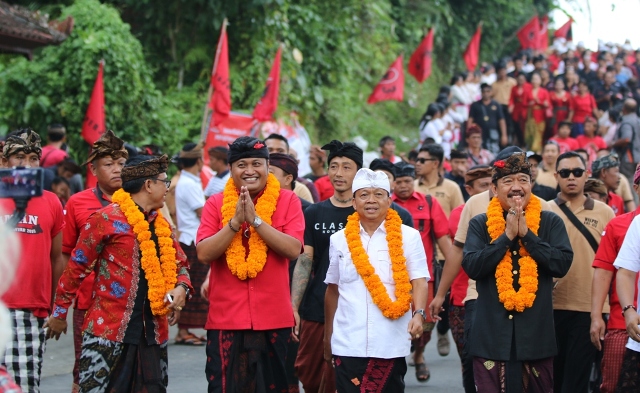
413 154
55 136
188 162
444 90
385 139
278 137
455 79
134 186
59 180
435 151
485 86
570 154
220 153
431 111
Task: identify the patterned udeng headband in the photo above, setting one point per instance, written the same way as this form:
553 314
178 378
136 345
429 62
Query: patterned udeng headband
515 163
145 169
28 142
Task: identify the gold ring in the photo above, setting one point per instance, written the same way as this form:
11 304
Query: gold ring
417 336
179 308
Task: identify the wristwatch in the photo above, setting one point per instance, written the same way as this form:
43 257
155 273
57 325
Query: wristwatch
421 312
185 286
257 222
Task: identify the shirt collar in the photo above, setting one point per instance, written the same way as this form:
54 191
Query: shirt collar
190 175
222 174
588 203
380 228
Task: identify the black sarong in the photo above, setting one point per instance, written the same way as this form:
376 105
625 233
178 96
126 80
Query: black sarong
355 375
247 361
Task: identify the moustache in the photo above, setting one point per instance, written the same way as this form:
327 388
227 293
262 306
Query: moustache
515 193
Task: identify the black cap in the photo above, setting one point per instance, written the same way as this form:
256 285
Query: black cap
405 169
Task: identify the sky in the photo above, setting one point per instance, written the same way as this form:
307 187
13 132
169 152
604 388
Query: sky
608 20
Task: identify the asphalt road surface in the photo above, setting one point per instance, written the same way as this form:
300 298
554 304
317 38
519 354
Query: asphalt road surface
186 368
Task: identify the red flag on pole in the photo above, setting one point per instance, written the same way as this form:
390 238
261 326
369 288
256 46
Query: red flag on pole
220 101
564 31
472 53
543 34
420 62
391 87
93 124
528 34
266 107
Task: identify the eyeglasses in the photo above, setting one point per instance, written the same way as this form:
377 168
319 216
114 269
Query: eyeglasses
423 160
165 181
577 172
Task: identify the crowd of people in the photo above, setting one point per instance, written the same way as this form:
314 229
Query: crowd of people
506 227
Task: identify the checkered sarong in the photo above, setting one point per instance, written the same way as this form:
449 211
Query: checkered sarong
24 354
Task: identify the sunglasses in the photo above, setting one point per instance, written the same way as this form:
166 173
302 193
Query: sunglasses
577 172
423 160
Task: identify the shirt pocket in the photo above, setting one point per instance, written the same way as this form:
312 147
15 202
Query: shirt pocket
383 267
348 272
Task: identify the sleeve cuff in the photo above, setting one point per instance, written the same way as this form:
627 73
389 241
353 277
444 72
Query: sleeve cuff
603 265
530 239
503 241
59 312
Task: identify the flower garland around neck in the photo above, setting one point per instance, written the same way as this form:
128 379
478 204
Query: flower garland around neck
528 280
241 265
390 309
160 272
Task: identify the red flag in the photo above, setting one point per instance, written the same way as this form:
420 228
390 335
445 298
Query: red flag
391 87
528 34
93 125
220 101
564 31
543 34
472 53
266 107
420 62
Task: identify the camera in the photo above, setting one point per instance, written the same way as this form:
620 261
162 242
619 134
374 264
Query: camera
20 184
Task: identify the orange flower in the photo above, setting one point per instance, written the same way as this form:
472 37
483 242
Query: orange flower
241 265
160 272
528 280
390 309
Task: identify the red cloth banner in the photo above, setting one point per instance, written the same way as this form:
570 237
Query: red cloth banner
234 126
528 34
564 31
420 62
543 34
266 107
93 125
220 101
391 87
472 53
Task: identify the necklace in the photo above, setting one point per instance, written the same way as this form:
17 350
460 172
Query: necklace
390 309
342 200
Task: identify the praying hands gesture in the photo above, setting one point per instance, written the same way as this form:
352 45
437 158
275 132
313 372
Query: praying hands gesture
516 221
245 209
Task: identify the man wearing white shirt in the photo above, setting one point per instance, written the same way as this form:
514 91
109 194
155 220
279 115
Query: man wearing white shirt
189 203
218 163
628 264
368 337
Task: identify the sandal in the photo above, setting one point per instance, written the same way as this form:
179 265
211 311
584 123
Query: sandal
422 372
189 339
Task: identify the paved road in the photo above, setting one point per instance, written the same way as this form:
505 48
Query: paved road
186 369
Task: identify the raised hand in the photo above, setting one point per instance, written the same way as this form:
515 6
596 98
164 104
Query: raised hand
249 207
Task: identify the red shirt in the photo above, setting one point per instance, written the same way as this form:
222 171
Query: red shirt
566 144
461 282
591 145
616 203
561 108
52 156
610 245
108 247
260 303
519 99
539 102
583 107
43 221
78 209
418 206
324 187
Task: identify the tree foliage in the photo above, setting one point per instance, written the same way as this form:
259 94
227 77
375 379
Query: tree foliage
345 48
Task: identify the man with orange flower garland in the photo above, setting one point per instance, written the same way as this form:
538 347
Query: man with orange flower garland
141 284
248 235
368 318
513 252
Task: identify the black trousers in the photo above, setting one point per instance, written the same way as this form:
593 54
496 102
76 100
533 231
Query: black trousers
467 360
572 365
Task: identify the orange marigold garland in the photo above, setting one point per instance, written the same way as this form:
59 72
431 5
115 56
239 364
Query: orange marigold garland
390 309
241 265
160 272
528 280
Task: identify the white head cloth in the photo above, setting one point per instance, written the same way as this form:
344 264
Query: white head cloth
366 178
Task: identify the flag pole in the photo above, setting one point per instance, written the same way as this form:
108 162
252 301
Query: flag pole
205 115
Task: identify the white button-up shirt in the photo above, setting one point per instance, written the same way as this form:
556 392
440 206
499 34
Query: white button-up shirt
629 258
359 328
189 198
